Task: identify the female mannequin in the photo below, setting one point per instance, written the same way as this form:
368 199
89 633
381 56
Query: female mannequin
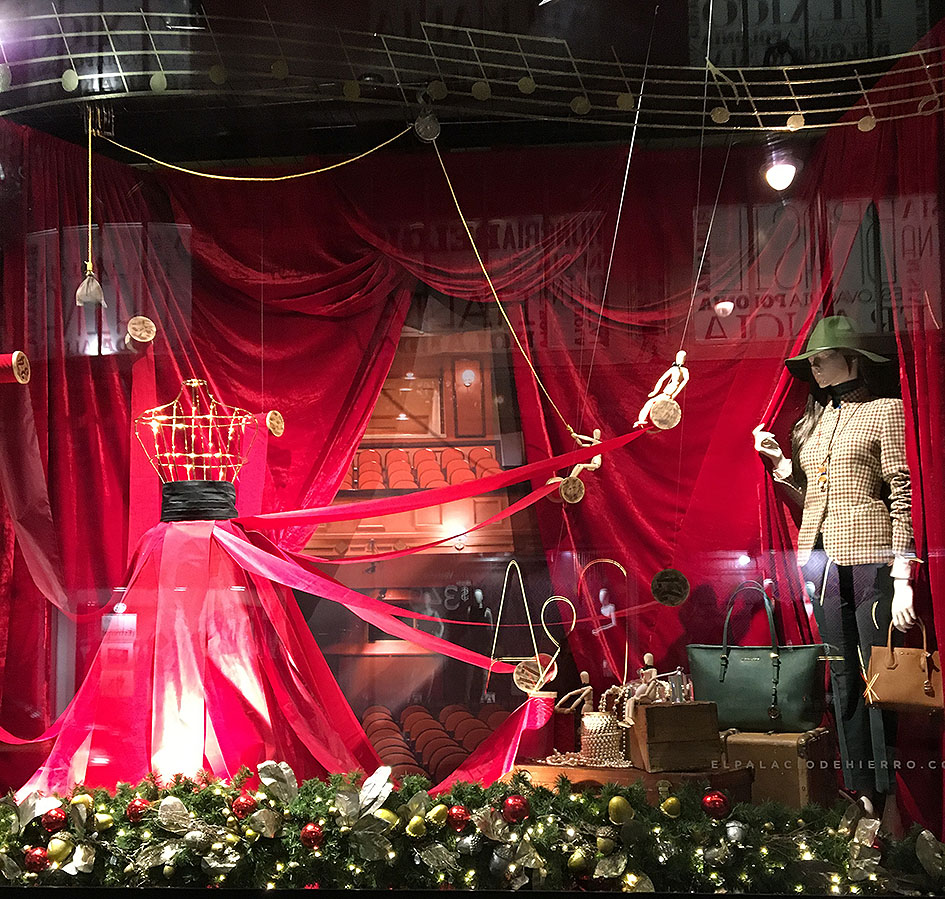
855 543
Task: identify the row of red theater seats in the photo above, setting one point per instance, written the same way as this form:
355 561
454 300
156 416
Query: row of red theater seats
425 469
424 745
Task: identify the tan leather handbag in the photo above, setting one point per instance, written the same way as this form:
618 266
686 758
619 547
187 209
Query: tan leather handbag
904 679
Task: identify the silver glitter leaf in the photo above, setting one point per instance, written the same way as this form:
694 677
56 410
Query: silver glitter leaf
80 815
375 790
491 824
155 854
265 822
639 883
348 804
438 858
850 819
419 803
220 864
527 855
173 815
929 852
280 780
518 882
35 805
866 830
369 837
611 865
82 861
11 870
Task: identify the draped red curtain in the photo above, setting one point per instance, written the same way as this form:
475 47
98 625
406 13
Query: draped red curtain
292 296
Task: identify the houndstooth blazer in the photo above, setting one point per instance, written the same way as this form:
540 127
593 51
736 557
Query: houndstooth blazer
861 445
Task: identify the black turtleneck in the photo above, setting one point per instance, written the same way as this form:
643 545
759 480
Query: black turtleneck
837 392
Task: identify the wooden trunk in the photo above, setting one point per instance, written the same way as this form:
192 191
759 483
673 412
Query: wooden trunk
676 736
791 768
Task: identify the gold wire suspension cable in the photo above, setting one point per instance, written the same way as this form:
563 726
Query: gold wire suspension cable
495 295
178 168
88 264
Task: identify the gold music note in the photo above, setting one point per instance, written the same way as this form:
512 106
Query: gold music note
70 77
158 80
867 122
928 105
721 114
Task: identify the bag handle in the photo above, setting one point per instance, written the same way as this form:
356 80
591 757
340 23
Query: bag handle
892 662
750 585
774 710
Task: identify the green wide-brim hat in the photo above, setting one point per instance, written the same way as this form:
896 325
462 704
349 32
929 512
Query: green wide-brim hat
836 332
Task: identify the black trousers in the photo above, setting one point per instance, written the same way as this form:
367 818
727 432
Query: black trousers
853 610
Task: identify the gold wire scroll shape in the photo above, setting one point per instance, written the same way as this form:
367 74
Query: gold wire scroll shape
623 571
535 659
196 437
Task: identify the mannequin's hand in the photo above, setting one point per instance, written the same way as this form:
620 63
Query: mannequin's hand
903 614
766 444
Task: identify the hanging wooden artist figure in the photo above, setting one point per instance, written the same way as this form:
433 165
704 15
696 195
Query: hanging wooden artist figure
855 543
662 408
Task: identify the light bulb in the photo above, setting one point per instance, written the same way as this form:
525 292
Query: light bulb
468 377
724 308
779 175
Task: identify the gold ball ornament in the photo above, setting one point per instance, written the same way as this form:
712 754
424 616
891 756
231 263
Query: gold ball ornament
619 810
232 839
59 849
671 807
83 799
416 827
169 871
437 815
605 845
104 821
217 848
391 819
231 821
250 835
577 860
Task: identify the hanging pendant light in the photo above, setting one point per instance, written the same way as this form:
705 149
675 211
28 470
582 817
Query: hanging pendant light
90 291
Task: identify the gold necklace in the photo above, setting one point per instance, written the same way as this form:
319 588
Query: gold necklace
823 474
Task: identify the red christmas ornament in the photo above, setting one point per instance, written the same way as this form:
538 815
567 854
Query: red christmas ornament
311 835
243 806
716 804
136 809
37 860
54 820
458 817
515 809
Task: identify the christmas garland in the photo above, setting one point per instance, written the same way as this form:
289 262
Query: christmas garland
266 830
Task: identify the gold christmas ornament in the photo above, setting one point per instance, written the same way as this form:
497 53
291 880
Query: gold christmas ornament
577 861
619 810
59 849
83 799
671 807
416 827
391 819
104 821
437 815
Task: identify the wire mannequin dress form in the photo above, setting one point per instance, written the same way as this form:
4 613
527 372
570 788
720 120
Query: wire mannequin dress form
205 665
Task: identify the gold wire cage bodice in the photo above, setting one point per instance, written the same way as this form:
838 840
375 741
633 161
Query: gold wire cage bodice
195 437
